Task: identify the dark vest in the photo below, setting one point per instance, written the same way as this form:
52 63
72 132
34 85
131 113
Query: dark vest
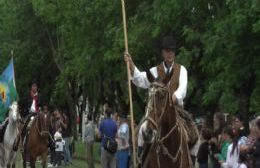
26 102
173 82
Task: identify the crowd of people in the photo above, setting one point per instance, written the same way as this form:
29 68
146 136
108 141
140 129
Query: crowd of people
114 134
62 138
230 144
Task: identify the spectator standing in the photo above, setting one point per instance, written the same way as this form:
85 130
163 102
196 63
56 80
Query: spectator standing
89 141
123 142
233 153
227 135
252 137
218 124
55 126
203 152
256 147
239 129
108 130
59 149
65 130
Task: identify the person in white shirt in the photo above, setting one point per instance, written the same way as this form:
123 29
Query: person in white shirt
59 148
167 68
89 141
232 154
171 73
123 142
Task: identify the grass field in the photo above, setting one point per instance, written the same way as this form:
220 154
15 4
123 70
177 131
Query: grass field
78 158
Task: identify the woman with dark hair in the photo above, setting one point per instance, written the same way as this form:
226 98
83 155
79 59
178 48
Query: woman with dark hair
219 123
226 137
203 152
239 128
233 153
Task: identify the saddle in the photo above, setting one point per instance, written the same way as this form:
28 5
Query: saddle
188 124
2 131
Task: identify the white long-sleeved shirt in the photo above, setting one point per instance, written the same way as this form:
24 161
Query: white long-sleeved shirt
123 136
90 132
232 160
140 79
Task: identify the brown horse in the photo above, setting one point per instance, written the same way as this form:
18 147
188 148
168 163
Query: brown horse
37 140
165 132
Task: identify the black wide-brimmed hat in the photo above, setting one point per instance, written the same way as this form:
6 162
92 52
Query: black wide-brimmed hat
168 42
33 81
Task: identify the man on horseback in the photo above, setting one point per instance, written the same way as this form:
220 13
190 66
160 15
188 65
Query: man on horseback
30 106
32 101
172 74
165 69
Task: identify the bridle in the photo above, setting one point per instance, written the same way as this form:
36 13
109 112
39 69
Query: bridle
43 131
158 139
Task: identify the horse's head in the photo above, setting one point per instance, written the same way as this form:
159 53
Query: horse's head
43 124
159 97
13 112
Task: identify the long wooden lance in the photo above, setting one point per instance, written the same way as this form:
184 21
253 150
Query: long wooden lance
129 84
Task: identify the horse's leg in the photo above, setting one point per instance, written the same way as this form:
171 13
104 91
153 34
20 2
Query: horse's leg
13 159
32 162
24 158
44 159
7 158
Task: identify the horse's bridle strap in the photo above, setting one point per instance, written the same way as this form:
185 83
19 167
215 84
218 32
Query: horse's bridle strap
152 121
160 139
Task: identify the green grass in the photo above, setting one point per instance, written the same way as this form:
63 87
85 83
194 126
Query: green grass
78 161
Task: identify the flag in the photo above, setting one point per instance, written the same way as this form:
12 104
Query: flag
8 92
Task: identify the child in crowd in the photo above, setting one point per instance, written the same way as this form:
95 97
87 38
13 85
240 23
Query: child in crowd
203 152
59 148
227 135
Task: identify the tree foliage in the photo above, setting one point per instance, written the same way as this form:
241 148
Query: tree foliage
75 48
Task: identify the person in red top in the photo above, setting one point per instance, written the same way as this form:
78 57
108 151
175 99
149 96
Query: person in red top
29 106
32 101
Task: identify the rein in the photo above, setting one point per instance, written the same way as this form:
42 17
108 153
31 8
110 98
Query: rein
42 132
158 141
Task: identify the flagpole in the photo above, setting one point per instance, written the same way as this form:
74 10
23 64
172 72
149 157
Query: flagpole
12 53
129 84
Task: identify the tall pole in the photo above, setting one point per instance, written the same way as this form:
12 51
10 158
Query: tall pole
129 84
12 53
